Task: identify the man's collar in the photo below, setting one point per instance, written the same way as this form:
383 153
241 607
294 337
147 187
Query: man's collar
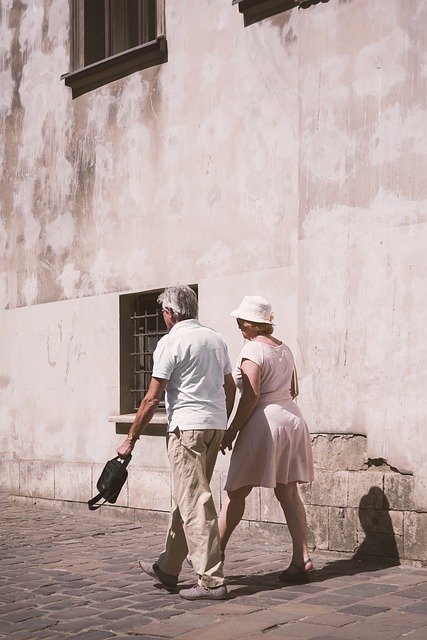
185 323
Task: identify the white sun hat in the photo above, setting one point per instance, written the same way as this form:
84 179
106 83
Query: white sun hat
254 309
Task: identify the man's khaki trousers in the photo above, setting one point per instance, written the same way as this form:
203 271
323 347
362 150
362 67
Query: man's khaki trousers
193 527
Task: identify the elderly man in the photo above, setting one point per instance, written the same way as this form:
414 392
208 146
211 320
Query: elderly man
192 364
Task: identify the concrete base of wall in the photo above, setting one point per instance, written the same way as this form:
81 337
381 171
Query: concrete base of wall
355 505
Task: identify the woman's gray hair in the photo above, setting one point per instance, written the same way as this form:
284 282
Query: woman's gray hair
182 300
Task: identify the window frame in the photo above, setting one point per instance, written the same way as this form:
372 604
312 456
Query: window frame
83 78
256 10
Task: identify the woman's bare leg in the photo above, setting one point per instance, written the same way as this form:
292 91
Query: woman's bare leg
294 510
232 512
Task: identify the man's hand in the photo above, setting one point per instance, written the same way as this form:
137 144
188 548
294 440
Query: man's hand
145 412
227 441
125 448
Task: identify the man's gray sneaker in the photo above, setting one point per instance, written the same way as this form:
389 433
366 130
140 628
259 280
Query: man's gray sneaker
204 593
154 571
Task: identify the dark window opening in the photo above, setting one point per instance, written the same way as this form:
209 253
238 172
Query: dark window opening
148 328
114 26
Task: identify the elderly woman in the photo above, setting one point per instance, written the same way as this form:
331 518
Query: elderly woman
273 446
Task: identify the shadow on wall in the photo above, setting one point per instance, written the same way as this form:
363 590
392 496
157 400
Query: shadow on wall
378 549
374 516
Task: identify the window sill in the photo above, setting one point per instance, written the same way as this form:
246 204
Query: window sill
116 67
157 426
256 10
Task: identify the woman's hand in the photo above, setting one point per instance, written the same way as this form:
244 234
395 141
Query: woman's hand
227 441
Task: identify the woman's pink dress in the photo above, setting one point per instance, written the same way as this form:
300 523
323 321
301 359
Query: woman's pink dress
274 446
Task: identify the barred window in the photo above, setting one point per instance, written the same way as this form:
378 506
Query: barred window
141 327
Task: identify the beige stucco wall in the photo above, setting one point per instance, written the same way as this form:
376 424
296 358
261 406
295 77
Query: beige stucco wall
285 159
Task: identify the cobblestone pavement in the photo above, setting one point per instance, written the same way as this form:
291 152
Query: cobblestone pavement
74 574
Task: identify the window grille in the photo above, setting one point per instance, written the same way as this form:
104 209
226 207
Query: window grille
148 328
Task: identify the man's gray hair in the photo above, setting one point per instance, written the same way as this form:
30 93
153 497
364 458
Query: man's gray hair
182 300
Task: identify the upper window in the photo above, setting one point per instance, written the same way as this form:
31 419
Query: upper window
255 10
113 38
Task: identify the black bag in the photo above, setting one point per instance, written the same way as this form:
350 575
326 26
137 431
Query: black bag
110 482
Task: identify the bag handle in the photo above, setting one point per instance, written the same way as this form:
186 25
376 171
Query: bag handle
91 503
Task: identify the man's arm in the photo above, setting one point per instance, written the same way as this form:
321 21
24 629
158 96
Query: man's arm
230 393
145 412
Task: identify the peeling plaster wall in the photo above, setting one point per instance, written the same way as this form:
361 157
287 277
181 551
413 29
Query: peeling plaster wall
285 158
362 226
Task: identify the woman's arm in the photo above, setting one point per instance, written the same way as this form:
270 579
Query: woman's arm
230 393
251 380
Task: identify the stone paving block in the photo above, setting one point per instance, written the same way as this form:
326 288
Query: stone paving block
333 600
330 484
416 607
228 608
79 490
334 619
272 634
342 529
94 634
282 594
149 488
415 634
389 601
367 589
415 536
37 478
364 631
399 491
295 610
403 618
405 577
365 489
231 629
303 630
337 634
21 615
36 624
125 624
162 629
362 609
45 634
417 591
135 637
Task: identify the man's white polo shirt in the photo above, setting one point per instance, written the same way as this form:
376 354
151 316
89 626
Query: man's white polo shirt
194 359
